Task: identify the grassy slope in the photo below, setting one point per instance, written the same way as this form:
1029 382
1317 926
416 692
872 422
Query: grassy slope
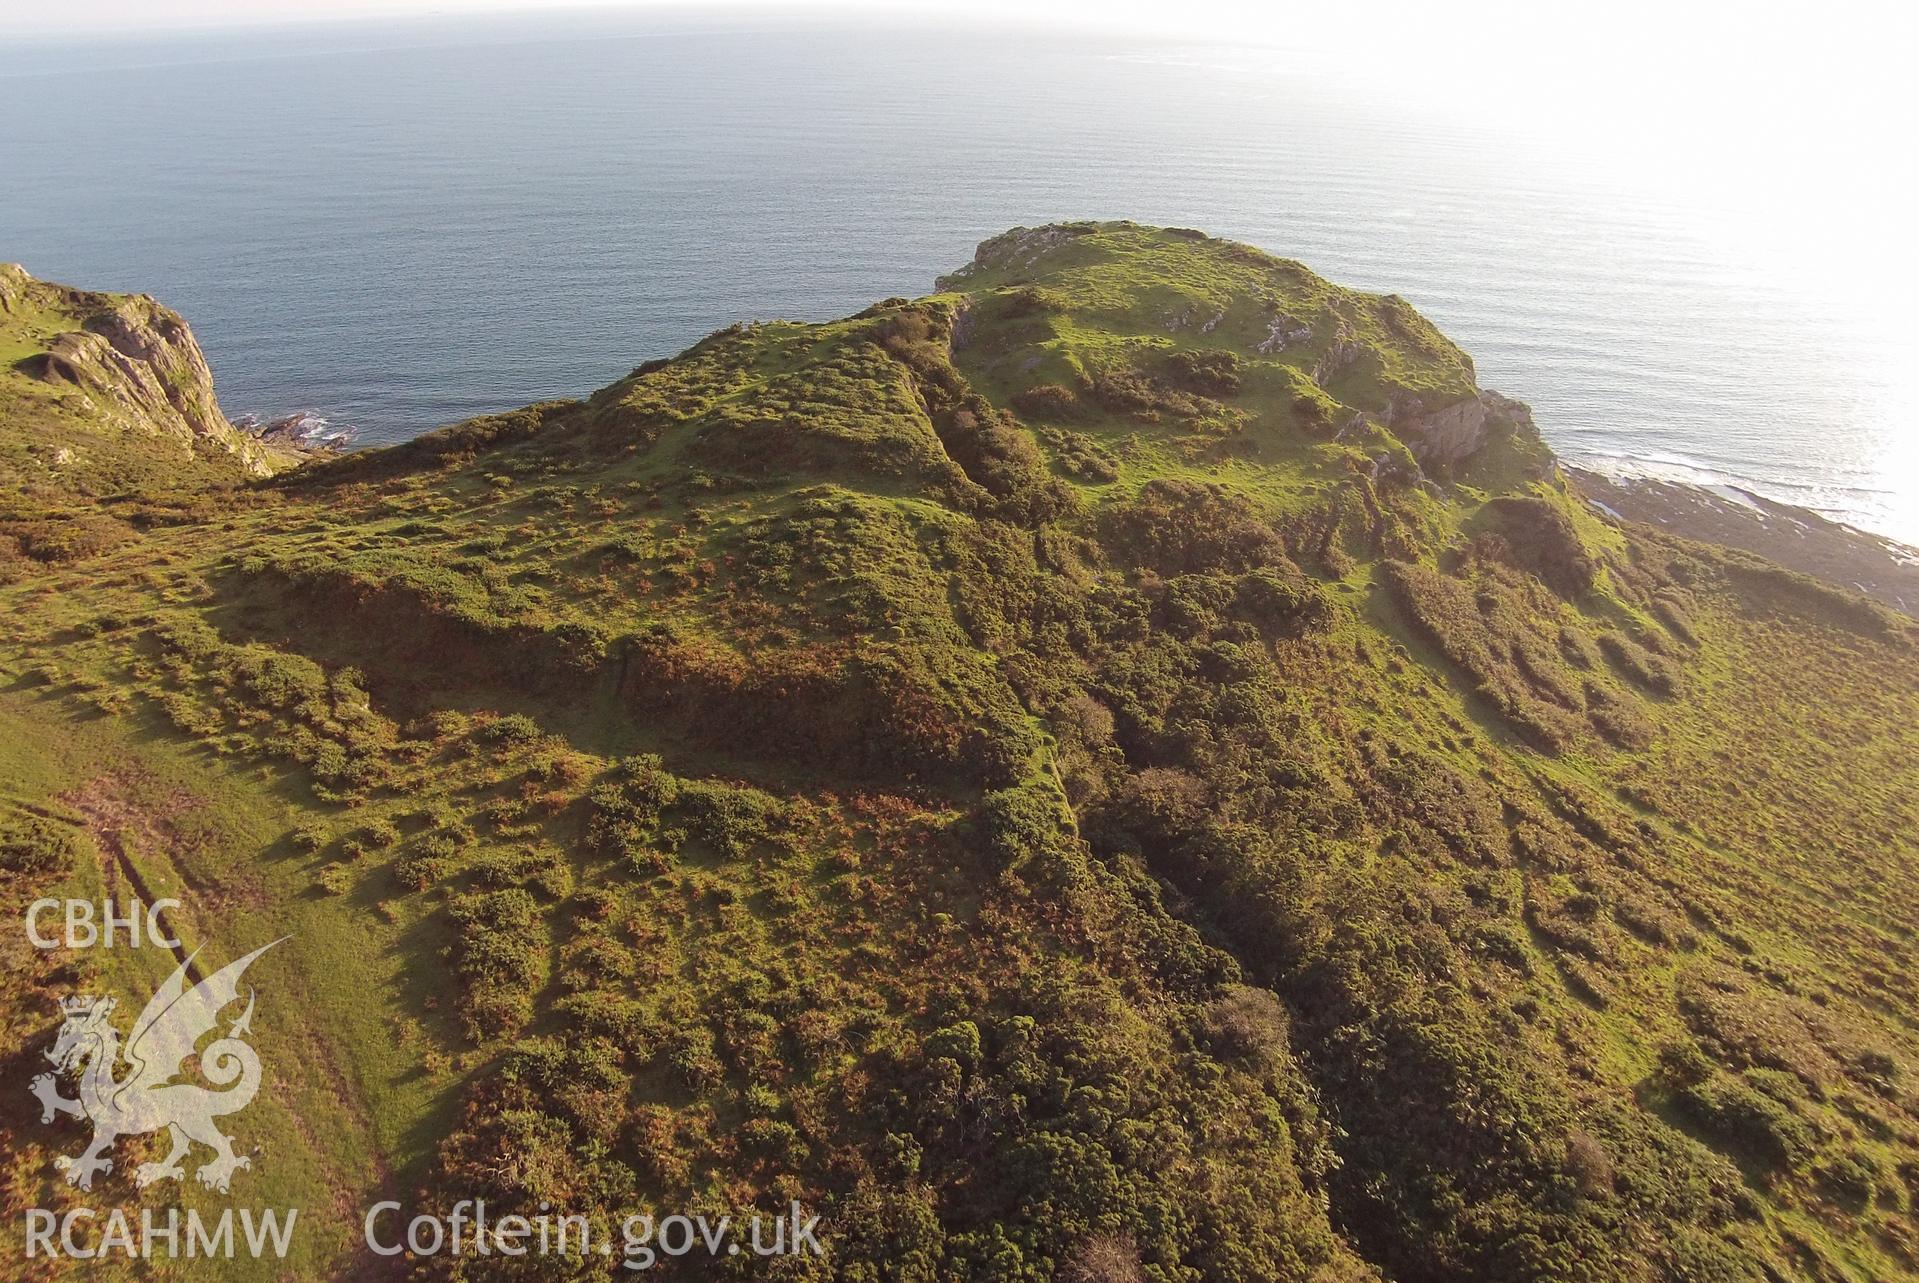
1151 825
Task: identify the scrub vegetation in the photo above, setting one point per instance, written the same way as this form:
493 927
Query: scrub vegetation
1093 774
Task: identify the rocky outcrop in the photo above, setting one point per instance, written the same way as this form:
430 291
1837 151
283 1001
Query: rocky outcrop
1022 248
1450 435
1282 331
128 362
13 286
307 430
1340 354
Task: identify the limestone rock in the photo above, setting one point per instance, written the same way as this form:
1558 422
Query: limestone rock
1448 436
131 362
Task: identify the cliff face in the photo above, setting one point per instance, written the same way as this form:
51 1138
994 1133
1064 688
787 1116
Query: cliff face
1448 437
83 364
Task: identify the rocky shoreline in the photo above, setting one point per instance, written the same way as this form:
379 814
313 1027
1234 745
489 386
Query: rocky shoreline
1795 537
306 430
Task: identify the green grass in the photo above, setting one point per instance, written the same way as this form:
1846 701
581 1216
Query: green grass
683 769
326 1022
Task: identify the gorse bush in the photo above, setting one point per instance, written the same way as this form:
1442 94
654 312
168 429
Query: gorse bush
1538 535
1047 403
730 819
1213 374
34 848
1756 1124
499 958
1654 672
513 730
1018 824
1182 527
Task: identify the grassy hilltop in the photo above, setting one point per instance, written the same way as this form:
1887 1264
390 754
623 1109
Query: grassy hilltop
1130 767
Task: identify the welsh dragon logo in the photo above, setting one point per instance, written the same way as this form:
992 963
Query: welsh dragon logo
149 1094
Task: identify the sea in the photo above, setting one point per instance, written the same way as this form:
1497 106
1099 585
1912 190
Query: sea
397 225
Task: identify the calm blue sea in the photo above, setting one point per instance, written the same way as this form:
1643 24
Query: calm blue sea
402 225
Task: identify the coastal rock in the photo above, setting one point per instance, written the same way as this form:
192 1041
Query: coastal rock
1341 354
131 362
1448 436
153 343
13 282
1020 248
963 320
1282 330
301 430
